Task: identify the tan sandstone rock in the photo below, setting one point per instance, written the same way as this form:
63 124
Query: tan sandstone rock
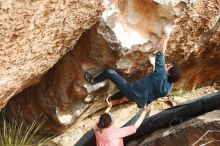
195 44
127 33
35 35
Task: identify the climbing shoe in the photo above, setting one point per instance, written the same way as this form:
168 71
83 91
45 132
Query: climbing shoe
89 78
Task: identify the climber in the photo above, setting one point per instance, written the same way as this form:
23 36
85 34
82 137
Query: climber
107 135
157 84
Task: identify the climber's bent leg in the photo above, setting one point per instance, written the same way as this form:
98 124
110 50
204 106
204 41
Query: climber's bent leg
121 83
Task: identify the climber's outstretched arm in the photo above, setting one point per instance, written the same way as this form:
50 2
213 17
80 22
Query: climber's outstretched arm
141 118
162 46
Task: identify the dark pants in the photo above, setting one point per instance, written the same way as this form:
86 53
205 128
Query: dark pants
123 85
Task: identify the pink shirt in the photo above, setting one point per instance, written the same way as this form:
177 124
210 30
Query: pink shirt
113 136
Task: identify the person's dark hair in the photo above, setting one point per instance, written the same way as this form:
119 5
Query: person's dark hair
174 73
105 121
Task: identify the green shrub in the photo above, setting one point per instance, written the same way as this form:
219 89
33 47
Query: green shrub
179 93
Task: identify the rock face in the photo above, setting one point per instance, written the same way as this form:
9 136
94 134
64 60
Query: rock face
124 37
35 35
62 92
195 43
198 131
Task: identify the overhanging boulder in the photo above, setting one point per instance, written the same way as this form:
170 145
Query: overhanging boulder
127 35
35 35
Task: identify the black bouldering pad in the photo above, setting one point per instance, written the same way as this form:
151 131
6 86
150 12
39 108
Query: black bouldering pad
166 118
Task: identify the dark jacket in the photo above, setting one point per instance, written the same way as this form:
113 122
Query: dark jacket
152 86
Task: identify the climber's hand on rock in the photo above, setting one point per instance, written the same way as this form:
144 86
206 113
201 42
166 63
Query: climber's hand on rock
167 29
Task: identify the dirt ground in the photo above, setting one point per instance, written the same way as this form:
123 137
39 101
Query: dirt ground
122 113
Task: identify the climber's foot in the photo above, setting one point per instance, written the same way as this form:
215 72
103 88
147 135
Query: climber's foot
89 78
